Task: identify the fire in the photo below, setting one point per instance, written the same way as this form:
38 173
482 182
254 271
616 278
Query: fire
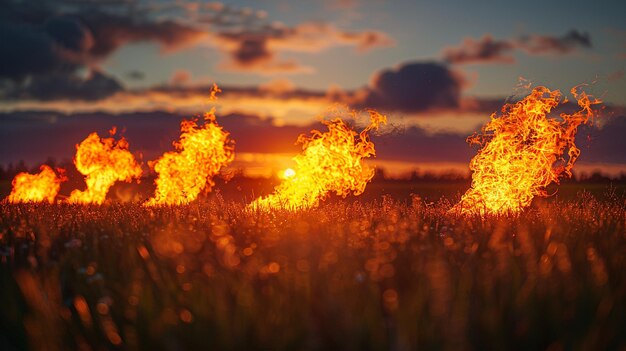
40 187
200 154
103 161
523 151
329 162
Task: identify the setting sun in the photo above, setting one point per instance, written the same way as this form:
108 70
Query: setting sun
288 173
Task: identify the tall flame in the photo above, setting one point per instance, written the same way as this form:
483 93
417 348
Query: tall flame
103 161
200 154
523 151
329 162
40 187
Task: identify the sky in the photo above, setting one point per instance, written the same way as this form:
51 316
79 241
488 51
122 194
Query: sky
436 69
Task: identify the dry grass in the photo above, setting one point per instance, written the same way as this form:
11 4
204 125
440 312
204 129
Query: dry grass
349 275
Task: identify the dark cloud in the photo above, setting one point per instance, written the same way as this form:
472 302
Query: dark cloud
113 31
251 51
70 33
415 144
43 52
95 86
604 144
51 43
415 86
256 49
546 44
187 91
35 136
26 50
136 75
490 50
45 40
483 50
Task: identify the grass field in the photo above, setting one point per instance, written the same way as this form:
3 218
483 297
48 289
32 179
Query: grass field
391 273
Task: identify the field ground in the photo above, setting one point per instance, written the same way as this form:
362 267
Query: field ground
244 190
379 273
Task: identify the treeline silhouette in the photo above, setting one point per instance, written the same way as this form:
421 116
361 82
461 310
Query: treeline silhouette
9 171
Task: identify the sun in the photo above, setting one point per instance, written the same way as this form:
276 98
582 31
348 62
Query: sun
288 173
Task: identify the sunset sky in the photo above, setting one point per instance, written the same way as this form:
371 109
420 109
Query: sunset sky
437 69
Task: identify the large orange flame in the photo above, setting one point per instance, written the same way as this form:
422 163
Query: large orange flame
40 187
523 151
200 154
103 161
329 162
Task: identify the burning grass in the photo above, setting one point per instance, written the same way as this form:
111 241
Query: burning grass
103 161
330 162
202 150
346 275
523 151
40 187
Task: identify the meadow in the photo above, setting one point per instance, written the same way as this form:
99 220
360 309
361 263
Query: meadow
370 273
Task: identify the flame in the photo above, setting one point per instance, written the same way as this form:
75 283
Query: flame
523 151
329 162
40 187
103 161
200 154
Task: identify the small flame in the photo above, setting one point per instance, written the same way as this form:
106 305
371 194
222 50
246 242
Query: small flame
102 161
200 154
213 94
523 151
40 187
329 162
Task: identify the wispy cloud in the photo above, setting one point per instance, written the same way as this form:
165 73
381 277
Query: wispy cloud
59 40
490 50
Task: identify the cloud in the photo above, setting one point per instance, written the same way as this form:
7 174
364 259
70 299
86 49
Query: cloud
414 144
45 40
256 49
26 50
278 86
54 44
412 87
604 144
484 50
251 53
180 77
490 50
95 86
35 136
44 53
136 75
113 31
546 44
